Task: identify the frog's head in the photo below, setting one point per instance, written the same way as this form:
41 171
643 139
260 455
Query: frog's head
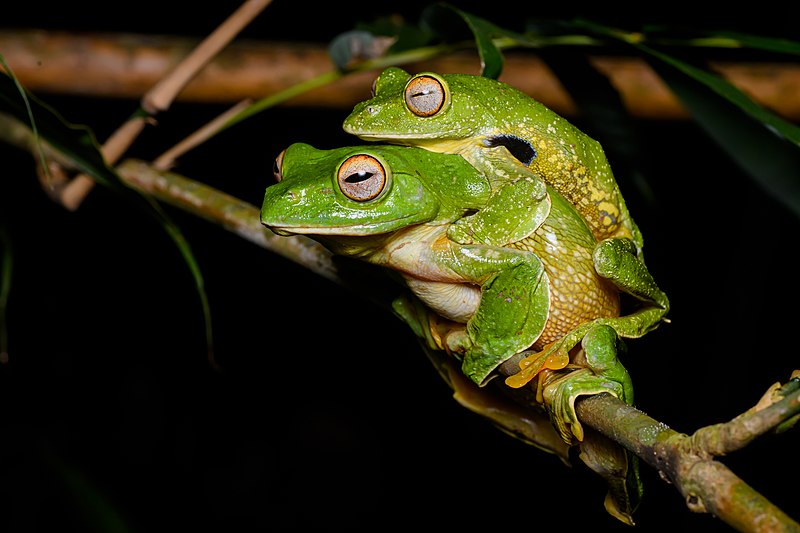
408 109
358 190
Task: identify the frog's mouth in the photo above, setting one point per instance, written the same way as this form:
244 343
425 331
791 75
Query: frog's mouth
343 230
441 143
397 137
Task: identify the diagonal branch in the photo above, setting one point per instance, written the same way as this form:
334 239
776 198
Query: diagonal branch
687 461
707 485
160 96
777 407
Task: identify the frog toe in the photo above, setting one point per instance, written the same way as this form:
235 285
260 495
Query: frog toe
461 232
560 395
549 358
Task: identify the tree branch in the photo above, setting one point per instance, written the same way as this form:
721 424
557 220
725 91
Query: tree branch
706 484
127 65
163 93
686 461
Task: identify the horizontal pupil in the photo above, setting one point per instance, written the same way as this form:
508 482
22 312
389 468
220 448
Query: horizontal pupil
358 177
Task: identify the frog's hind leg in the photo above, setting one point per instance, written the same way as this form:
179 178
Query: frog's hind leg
602 371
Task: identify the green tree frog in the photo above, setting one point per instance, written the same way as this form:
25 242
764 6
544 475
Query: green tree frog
470 115
516 142
392 206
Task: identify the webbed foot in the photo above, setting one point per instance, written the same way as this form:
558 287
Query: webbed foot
553 356
549 358
603 372
511 316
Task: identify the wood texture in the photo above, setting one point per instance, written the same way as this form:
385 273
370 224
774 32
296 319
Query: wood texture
127 65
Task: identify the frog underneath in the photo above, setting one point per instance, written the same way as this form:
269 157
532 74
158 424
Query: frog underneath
392 206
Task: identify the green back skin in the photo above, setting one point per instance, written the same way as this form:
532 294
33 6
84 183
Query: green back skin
479 113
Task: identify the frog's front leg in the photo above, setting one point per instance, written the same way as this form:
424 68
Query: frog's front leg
512 310
617 260
518 205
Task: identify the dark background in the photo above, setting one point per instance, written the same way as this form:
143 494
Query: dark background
326 414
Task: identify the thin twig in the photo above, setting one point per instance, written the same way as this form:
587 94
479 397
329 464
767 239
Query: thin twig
74 191
229 212
722 439
166 160
164 92
161 96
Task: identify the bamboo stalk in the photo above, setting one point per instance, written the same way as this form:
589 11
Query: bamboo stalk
162 94
127 65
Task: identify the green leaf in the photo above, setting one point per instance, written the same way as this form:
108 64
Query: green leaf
78 144
730 92
490 39
720 39
436 16
713 81
96 509
770 158
74 141
757 42
760 142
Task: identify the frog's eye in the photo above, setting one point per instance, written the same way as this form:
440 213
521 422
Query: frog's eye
277 166
425 95
362 177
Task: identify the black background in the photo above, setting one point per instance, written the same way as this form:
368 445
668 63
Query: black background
327 415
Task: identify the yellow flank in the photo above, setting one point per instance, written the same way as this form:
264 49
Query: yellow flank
609 214
587 185
577 293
